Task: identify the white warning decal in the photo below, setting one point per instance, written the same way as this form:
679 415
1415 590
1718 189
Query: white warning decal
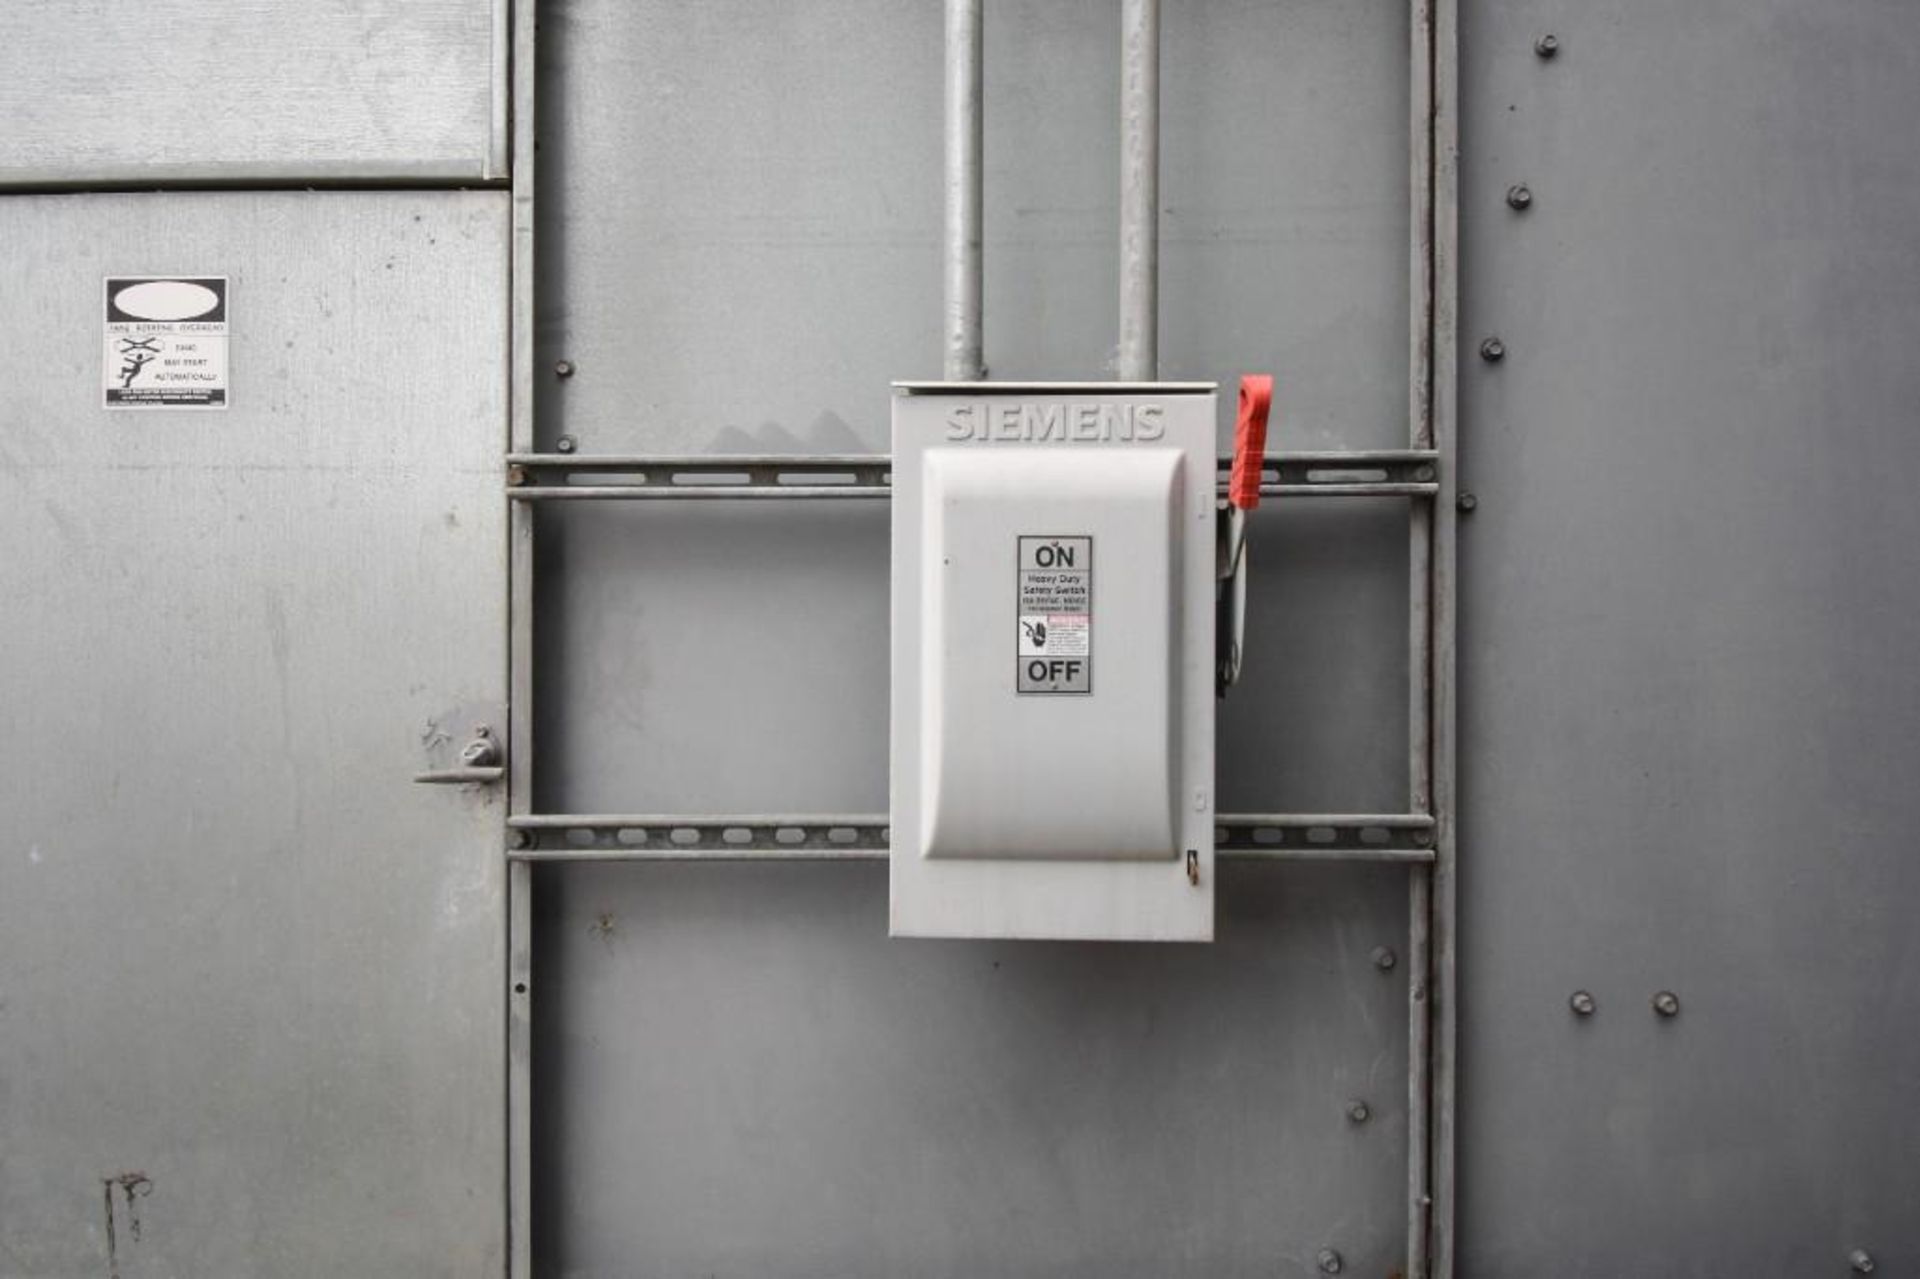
1054 647
165 342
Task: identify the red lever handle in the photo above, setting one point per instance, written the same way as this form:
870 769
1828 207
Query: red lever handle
1250 440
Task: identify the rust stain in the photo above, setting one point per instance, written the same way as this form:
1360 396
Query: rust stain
133 1186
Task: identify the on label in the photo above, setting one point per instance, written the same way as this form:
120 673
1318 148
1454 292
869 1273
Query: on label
1054 644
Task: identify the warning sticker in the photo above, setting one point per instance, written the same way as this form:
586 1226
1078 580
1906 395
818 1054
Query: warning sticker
165 342
1054 647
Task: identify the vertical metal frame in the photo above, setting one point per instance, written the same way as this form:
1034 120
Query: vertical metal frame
1431 976
519 975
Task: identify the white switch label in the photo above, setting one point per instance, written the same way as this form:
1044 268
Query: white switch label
1054 646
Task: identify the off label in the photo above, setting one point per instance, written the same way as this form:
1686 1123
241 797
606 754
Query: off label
166 342
1054 646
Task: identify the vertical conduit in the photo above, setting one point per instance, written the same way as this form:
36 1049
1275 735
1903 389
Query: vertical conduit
964 355
1139 190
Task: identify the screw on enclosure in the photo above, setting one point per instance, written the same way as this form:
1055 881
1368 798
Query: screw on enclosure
1667 1004
1519 197
1384 959
566 444
1547 45
1582 1003
1358 1112
1466 501
563 368
1861 1260
1330 1262
1493 350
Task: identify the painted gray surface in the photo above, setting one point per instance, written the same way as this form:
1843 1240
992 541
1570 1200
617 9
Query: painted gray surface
1691 608
240 954
252 90
745 1076
740 224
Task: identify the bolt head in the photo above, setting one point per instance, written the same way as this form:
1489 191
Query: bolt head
1330 1262
1582 1003
563 368
566 444
1466 501
1384 959
1519 197
1861 1260
1493 350
1358 1112
1667 1004
1547 45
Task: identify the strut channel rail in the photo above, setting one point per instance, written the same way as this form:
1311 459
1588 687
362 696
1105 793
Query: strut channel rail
550 837
555 477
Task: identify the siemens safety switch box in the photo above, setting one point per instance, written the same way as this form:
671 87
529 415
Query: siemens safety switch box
1053 649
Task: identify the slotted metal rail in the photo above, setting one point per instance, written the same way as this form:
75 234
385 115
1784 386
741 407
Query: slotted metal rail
566 477
550 837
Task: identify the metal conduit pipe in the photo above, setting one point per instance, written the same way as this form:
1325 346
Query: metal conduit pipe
1140 190
964 355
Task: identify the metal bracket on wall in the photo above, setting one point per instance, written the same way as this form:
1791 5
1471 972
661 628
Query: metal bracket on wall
549 477
1423 840
561 837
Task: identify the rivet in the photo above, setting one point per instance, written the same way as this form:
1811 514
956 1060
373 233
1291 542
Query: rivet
1384 959
1861 1260
563 368
1330 1262
1519 197
1466 501
1423 474
516 476
566 444
1358 1112
1582 1003
1667 1004
519 839
1493 350
1547 45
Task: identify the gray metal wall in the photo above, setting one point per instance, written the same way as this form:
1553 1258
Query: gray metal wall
734 1069
1691 600
241 958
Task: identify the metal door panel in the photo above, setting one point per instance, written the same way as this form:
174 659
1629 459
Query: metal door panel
253 91
1691 604
731 658
250 977
740 213
741 1074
